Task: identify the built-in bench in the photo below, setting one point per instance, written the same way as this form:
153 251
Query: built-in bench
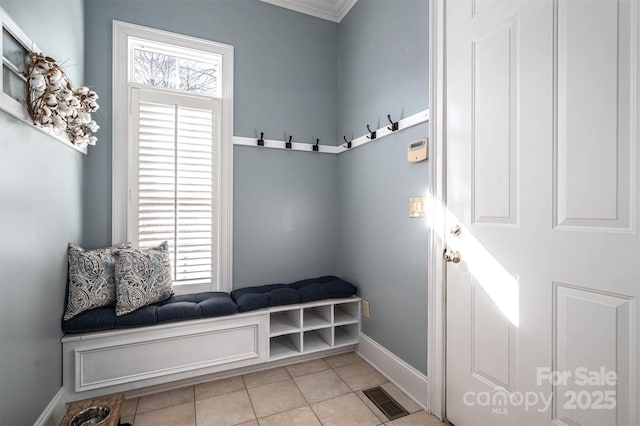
200 334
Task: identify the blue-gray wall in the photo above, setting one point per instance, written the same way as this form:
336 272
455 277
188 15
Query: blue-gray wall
40 212
288 216
383 50
286 81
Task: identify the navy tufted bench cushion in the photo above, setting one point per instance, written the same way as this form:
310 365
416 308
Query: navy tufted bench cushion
251 298
175 308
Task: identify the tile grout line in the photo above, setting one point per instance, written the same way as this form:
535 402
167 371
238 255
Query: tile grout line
302 393
289 377
246 389
355 392
195 413
314 412
313 372
135 412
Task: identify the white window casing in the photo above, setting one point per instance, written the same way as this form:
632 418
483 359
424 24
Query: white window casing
130 100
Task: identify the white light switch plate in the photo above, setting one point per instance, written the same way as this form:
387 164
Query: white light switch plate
365 308
417 207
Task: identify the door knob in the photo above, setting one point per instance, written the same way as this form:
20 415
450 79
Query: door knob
452 256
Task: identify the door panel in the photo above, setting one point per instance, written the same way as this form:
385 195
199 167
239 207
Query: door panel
542 122
595 73
494 143
492 340
609 318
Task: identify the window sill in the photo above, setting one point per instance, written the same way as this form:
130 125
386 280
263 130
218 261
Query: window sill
179 289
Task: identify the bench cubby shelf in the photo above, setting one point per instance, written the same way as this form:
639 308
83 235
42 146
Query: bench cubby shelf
312 327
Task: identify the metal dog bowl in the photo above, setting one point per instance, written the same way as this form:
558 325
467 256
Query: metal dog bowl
91 416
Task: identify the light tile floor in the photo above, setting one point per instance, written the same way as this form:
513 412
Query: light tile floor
325 391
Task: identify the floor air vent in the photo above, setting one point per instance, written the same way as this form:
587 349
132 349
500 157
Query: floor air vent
385 403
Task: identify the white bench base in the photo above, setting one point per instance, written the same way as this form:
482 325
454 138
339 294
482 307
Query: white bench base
126 360
114 361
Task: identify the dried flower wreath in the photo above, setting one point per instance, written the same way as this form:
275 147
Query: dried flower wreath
53 102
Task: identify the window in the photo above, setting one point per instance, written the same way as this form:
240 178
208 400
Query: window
177 151
158 65
174 137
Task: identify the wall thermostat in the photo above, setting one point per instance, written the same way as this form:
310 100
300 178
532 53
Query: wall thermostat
418 150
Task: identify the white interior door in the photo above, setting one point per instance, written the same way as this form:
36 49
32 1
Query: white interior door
542 122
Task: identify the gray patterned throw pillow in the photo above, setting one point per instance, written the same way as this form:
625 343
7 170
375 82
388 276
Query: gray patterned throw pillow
142 277
91 279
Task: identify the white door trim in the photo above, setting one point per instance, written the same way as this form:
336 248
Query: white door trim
436 307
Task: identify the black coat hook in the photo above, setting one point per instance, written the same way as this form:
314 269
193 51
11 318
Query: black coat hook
348 145
372 135
288 145
316 147
261 140
394 126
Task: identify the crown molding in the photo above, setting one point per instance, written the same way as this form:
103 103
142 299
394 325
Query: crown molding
330 10
346 6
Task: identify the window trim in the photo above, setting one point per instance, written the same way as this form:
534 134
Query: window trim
121 109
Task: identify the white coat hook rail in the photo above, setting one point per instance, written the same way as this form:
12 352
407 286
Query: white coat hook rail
288 144
393 127
372 134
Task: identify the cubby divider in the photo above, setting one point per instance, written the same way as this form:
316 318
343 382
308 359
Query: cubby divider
285 345
315 326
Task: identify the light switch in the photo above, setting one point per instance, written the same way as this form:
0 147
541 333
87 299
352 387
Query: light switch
417 207
365 308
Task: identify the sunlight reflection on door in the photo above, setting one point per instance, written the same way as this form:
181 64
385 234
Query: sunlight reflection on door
500 285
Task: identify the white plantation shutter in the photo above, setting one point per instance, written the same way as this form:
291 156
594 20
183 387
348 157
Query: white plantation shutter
174 181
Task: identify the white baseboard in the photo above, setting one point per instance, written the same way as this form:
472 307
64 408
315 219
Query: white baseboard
54 412
405 377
